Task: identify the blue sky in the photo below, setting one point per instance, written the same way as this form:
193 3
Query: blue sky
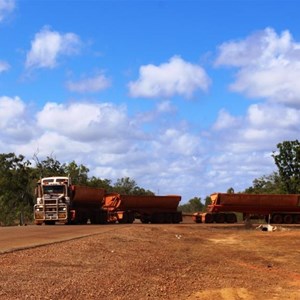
184 97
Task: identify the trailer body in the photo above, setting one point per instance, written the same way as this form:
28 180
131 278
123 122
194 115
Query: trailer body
281 208
147 208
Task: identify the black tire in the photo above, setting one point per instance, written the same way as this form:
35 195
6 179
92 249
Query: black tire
297 219
220 218
231 218
288 219
277 219
209 218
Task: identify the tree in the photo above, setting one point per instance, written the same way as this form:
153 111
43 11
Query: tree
192 206
230 190
207 202
287 160
125 186
49 167
100 183
128 186
16 189
267 184
78 174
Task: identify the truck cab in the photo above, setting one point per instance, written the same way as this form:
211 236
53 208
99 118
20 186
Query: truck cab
52 200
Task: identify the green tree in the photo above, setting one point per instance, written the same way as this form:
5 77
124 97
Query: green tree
78 174
230 190
192 206
49 167
125 186
100 183
287 160
207 202
267 184
16 189
128 186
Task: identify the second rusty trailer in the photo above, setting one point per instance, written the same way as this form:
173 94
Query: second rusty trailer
147 208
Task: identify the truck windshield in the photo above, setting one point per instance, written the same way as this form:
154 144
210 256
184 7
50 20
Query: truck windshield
53 189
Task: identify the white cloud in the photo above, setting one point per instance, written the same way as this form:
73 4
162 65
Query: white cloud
176 77
90 85
4 66
225 121
6 7
269 66
48 143
10 110
85 121
14 126
48 45
263 126
178 142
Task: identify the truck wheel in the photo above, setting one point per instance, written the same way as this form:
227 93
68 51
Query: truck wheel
131 218
198 219
288 219
177 218
297 219
207 218
167 218
220 218
231 218
277 219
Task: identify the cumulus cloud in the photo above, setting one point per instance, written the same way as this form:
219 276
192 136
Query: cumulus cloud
263 126
4 66
48 46
90 85
10 110
179 143
85 121
14 126
225 121
6 7
269 66
51 142
176 77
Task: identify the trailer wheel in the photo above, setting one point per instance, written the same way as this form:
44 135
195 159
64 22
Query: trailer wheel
277 219
176 218
167 218
198 219
220 218
157 218
207 218
131 218
288 219
297 219
231 218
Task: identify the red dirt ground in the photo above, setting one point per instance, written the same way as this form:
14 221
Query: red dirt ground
145 261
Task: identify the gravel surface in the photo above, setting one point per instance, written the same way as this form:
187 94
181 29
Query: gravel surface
139 261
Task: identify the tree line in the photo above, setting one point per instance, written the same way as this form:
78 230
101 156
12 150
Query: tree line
18 178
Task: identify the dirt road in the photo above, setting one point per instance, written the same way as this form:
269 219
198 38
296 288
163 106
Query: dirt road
139 261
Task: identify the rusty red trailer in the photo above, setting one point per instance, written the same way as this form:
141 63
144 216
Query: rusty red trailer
147 208
281 208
